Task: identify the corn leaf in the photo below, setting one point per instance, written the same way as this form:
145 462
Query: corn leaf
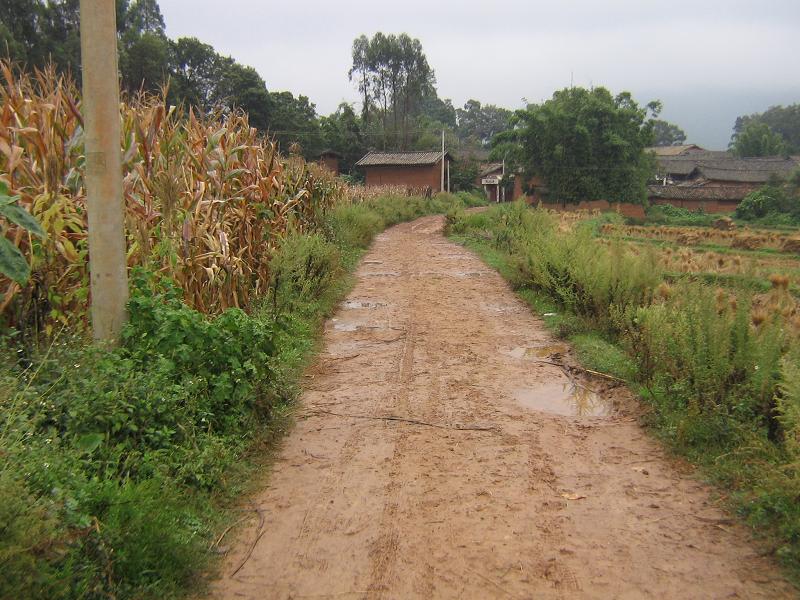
12 263
20 216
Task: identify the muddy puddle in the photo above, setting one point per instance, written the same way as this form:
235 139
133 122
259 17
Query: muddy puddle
564 398
347 325
357 304
382 274
457 274
542 351
499 308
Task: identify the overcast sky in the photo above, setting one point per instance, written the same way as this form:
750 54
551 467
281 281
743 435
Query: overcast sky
707 60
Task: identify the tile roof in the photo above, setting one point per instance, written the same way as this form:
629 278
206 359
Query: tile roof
490 168
420 158
721 166
697 192
674 150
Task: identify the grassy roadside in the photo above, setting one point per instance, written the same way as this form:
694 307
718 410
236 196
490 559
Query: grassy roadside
118 468
721 385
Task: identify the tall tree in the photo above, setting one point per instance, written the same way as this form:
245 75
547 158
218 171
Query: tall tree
480 123
342 131
294 121
393 76
667 134
144 51
586 144
784 120
196 73
757 139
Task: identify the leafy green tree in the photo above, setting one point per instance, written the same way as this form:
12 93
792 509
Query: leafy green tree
342 132
196 73
667 134
436 109
144 62
294 121
241 87
144 50
37 33
463 174
784 120
480 123
757 139
585 144
393 76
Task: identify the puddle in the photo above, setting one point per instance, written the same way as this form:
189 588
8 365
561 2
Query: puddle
382 274
539 351
499 308
356 304
346 325
564 399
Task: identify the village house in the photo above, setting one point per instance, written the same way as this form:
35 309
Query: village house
330 160
693 178
417 170
490 177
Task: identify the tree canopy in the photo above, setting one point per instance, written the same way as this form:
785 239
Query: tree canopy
783 120
667 134
585 145
480 123
393 76
757 139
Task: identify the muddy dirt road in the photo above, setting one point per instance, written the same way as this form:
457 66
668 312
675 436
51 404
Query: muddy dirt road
505 493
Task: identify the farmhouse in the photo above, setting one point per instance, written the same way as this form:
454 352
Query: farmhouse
330 160
419 170
489 178
693 178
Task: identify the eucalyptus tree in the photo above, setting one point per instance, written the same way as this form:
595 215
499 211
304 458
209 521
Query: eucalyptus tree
393 77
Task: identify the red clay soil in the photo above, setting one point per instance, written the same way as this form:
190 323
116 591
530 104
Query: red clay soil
484 491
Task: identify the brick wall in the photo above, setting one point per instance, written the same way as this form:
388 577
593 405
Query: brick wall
410 176
626 209
331 163
709 206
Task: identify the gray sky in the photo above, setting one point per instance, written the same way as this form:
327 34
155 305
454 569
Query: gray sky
707 60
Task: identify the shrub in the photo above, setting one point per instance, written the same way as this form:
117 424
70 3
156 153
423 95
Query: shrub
769 199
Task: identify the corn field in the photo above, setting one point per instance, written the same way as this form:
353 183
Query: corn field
207 199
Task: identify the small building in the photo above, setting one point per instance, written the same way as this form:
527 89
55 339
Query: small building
330 160
417 170
711 180
489 179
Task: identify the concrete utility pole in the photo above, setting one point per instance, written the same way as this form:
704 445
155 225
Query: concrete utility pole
107 261
441 189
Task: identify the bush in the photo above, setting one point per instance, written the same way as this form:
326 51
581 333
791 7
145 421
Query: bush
769 199
666 214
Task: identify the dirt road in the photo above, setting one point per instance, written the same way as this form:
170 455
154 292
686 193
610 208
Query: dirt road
498 495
